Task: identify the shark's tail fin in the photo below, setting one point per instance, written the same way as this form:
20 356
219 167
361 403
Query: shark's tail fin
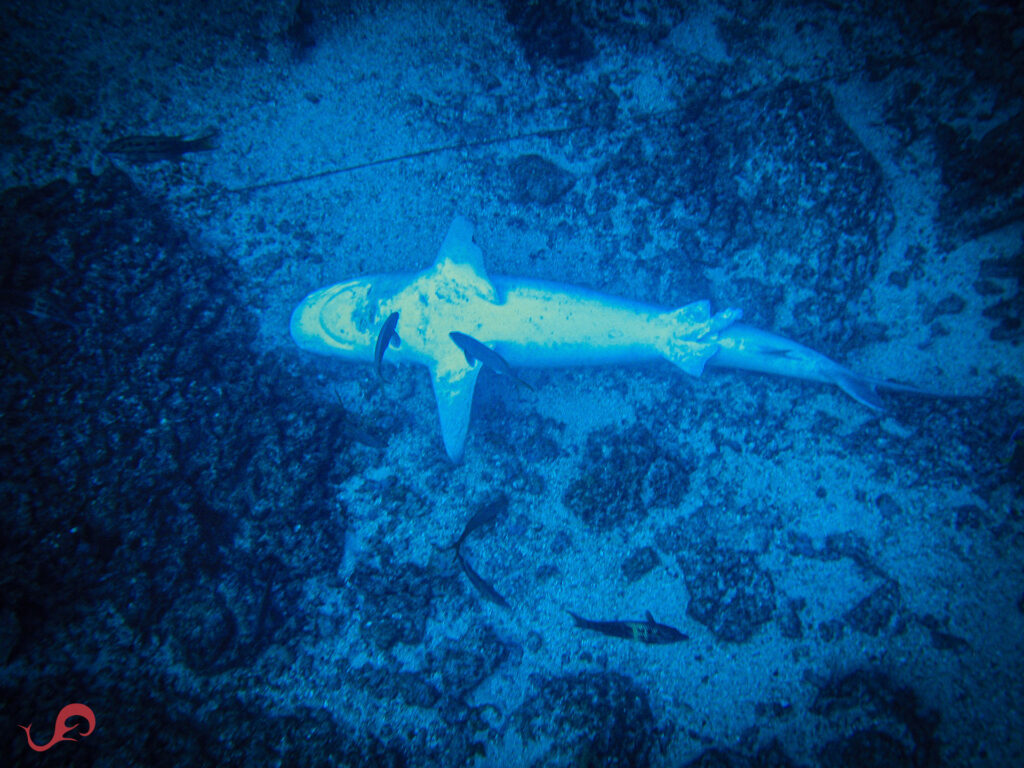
865 390
690 336
748 348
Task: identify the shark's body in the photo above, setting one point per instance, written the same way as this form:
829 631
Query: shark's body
534 323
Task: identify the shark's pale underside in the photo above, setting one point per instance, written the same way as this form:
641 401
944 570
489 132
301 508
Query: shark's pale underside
534 323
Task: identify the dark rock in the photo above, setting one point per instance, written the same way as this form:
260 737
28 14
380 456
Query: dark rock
301 33
875 612
729 593
534 641
899 278
789 619
1003 268
205 630
951 305
984 178
538 180
718 757
875 697
772 755
414 690
157 375
465 664
848 544
622 474
831 630
867 748
400 596
762 184
674 537
968 516
550 32
888 507
409 687
640 563
602 714
1009 312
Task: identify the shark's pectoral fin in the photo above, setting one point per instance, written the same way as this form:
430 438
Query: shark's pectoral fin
453 388
691 337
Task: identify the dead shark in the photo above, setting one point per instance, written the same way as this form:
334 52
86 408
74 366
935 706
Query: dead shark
535 323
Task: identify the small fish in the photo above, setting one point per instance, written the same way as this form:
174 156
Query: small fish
359 435
386 337
1013 453
486 514
647 631
476 350
152 149
356 433
486 590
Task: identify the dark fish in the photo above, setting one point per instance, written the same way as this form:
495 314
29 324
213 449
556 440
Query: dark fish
1014 450
386 337
354 432
486 590
647 631
476 350
359 435
152 149
486 514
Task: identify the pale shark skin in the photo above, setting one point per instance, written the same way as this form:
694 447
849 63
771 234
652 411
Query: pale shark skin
533 323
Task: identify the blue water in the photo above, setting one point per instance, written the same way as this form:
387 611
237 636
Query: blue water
226 550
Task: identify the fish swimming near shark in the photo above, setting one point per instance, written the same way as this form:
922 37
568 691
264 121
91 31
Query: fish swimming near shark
485 515
454 314
153 149
387 336
647 631
487 592
474 350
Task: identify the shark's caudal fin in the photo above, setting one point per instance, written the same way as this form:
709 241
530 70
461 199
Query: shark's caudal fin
690 335
865 390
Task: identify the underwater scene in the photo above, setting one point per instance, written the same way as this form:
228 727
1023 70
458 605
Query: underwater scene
512 383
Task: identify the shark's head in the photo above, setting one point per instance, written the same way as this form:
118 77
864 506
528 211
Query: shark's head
340 320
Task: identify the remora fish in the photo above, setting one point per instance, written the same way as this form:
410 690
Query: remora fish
648 631
486 590
540 324
152 149
387 336
486 514
475 350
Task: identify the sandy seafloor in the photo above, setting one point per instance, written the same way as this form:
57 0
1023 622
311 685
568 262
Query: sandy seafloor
200 546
